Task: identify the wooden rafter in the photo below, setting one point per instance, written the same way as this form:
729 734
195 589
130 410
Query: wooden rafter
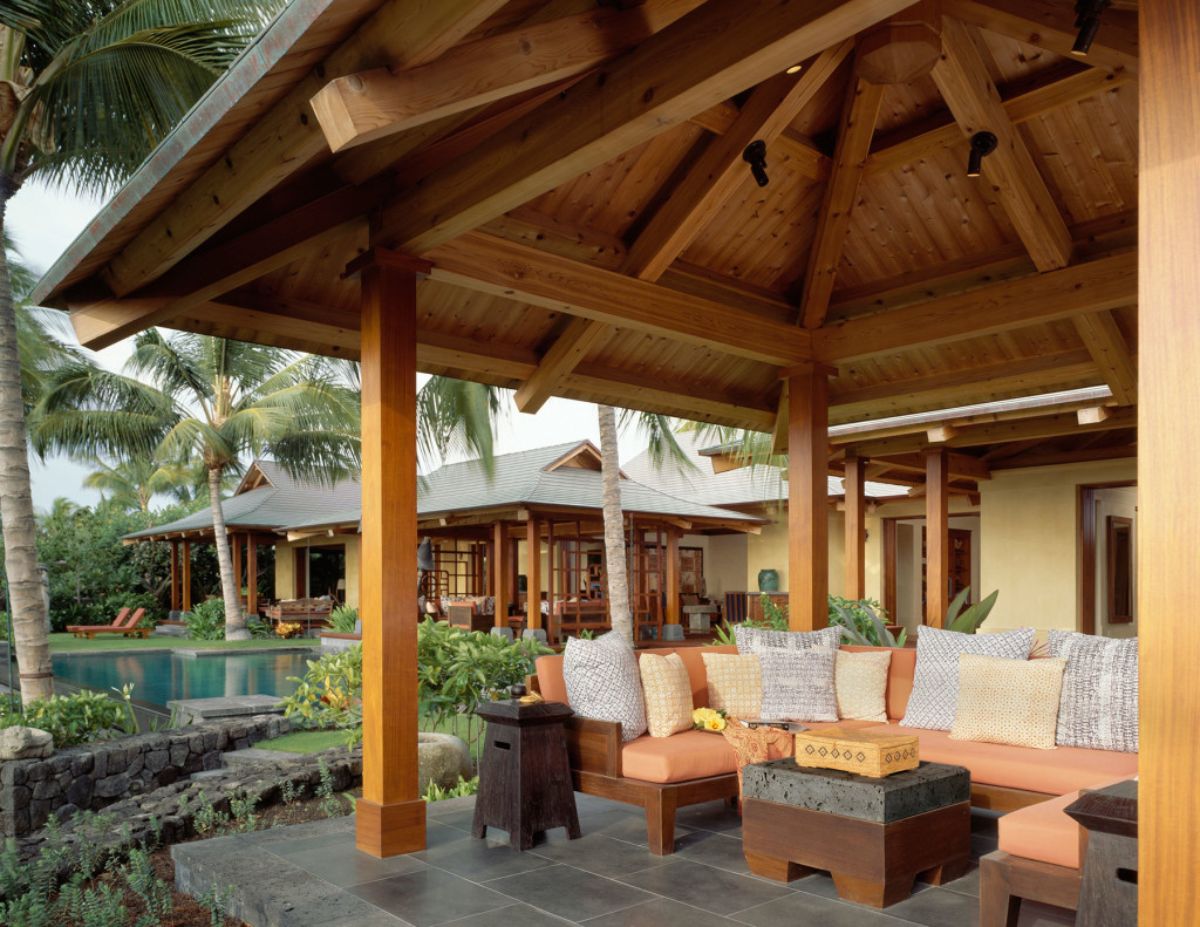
1102 337
563 356
1010 171
857 127
961 466
809 160
709 56
720 171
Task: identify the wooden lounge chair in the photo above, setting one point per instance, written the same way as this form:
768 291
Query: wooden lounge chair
127 628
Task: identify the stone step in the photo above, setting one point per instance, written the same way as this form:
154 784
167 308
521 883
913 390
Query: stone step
253 756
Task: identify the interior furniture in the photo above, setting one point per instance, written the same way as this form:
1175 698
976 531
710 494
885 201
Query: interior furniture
1108 897
465 615
875 836
308 613
524 778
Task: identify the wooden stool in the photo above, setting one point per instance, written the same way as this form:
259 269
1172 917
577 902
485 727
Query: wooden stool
1108 897
525 777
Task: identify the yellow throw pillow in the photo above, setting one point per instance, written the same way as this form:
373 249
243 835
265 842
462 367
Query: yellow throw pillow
861 683
668 694
734 683
1005 701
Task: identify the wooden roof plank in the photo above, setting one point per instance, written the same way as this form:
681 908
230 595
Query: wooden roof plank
1102 337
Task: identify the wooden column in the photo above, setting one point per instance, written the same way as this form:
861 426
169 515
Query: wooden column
808 497
672 581
1168 433
187 576
514 570
937 538
856 528
251 575
500 571
533 572
391 814
235 544
175 597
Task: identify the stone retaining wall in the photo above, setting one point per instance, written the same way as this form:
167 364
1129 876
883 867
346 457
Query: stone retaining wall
93 776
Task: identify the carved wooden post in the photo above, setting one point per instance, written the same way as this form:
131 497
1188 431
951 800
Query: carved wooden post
808 497
937 538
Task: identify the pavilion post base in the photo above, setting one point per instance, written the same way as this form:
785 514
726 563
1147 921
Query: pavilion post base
389 830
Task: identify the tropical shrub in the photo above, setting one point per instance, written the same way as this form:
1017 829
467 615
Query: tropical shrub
286 629
968 620
206 621
343 619
71 719
329 694
460 789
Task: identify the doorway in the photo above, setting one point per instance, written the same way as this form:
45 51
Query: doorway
904 564
1108 515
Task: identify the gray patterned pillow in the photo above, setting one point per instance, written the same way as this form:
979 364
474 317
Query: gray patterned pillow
798 684
603 683
1099 706
752 640
934 699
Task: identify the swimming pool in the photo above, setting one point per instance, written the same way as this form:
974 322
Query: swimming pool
160 676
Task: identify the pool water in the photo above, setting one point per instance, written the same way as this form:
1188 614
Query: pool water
161 676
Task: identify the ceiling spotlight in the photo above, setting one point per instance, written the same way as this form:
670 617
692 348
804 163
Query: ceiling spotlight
1087 21
982 144
756 156
794 69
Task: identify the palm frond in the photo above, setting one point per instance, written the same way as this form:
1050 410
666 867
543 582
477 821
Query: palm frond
457 417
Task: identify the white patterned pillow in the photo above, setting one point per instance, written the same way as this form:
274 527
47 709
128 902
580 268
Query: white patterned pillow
751 640
1008 701
861 683
934 699
798 684
603 683
1099 707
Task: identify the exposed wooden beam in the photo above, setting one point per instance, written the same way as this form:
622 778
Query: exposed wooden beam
1035 458
855 529
780 427
356 108
937 538
564 355
402 33
708 56
809 160
1092 286
940 434
961 466
1093 415
1102 337
859 113
1010 171
720 171
519 272
1050 24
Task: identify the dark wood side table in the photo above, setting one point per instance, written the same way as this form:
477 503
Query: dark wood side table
874 836
1108 897
525 777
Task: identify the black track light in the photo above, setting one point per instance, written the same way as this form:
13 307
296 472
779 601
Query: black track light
756 156
982 145
1087 21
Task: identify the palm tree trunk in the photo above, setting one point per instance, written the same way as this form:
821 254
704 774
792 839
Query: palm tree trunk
614 527
16 502
235 621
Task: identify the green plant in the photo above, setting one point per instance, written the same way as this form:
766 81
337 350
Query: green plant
330 693
287 792
215 901
207 819
587 634
460 789
343 619
241 809
968 620
861 623
775 616
154 893
206 621
332 804
77 718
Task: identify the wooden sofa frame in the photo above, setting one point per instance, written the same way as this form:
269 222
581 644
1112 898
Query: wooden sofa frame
594 748
1006 880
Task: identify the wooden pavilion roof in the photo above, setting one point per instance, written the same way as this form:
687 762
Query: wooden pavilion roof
574 174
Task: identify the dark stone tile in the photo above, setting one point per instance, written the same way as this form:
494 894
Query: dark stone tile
938 908
804 909
1043 915
822 884
632 830
704 887
571 893
438 834
967 885
462 818
982 844
662 912
713 849
346 866
599 854
480 860
517 915
713 815
332 843
429 897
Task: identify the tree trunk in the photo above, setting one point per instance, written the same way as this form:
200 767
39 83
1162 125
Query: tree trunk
231 591
16 502
614 526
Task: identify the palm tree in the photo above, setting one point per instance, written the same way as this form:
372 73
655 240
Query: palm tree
86 92
196 397
659 430
133 482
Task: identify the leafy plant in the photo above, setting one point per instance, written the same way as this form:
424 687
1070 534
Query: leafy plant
330 693
967 621
73 719
206 621
460 789
861 624
287 629
343 619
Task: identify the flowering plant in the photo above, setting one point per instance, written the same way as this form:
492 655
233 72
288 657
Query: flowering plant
709 719
288 629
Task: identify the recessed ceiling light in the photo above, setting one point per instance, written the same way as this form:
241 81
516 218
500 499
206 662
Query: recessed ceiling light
795 69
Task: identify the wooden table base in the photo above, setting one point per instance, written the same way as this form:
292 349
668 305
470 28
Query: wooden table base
872 864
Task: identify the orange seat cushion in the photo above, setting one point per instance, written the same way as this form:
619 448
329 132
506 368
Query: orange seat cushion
1044 832
678 758
1053 772
554 689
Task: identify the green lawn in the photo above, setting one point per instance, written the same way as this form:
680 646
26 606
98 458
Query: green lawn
67 643
305 741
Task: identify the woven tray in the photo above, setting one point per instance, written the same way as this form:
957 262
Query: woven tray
864 753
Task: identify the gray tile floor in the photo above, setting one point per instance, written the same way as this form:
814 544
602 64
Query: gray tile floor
310 875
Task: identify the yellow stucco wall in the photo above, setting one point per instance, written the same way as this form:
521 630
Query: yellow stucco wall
285 583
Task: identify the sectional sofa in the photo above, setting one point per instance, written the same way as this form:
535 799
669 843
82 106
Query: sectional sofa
663 774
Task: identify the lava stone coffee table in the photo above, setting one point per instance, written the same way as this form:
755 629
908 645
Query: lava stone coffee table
874 836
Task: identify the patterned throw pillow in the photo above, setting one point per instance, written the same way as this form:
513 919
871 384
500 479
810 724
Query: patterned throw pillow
1099 706
668 694
1003 701
798 684
603 683
751 640
934 699
861 683
734 683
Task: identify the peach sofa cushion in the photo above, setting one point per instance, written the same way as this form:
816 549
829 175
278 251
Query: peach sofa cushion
1044 832
553 689
1053 772
690 755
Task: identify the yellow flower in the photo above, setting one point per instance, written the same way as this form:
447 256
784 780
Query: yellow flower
715 724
